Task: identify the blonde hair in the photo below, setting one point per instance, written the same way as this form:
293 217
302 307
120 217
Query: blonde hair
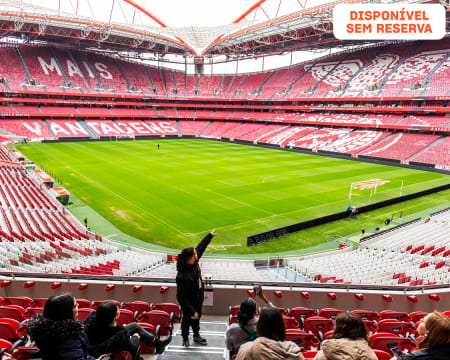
438 331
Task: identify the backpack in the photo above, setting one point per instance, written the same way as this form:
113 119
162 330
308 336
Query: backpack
251 336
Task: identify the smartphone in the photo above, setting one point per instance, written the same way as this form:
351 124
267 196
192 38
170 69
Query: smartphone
257 289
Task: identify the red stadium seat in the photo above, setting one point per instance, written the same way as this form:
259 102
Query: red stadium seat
302 313
367 315
139 306
22 301
95 303
391 314
290 322
83 303
121 355
169 308
382 355
233 310
5 344
152 330
24 352
301 338
308 355
417 316
386 342
12 311
8 329
318 325
83 313
32 312
126 317
40 302
371 325
157 317
330 313
396 327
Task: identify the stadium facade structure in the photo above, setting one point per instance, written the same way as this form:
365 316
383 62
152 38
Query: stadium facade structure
386 102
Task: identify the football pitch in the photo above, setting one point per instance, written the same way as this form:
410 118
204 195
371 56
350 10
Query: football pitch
175 195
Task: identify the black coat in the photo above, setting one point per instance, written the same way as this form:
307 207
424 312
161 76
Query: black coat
441 352
59 340
105 339
190 289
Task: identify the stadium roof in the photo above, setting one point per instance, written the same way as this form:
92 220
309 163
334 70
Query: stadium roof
191 28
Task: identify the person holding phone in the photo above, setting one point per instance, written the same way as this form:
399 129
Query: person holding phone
245 330
435 344
190 289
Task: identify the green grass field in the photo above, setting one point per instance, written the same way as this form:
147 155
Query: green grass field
172 197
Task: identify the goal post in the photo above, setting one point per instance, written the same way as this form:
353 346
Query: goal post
366 184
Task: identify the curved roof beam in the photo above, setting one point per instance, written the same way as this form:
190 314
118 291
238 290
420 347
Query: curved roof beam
249 10
146 12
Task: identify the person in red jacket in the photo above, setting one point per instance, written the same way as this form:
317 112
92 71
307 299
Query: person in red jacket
190 289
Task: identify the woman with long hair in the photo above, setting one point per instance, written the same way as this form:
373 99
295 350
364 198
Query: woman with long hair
270 344
105 336
349 342
435 344
56 332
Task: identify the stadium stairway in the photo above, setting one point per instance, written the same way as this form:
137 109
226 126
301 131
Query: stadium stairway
213 331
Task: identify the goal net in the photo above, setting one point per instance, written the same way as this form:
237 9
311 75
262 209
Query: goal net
366 184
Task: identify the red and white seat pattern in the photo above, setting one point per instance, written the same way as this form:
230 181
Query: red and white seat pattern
67 128
159 127
438 154
373 73
288 136
11 68
43 67
104 127
401 146
31 129
321 138
356 141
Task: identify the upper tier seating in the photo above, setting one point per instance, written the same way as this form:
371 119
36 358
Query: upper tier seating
209 86
137 76
43 67
414 69
12 69
389 71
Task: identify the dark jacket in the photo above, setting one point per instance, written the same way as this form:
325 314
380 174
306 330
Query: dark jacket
190 289
105 339
59 340
441 352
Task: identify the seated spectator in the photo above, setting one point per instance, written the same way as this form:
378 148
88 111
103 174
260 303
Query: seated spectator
435 345
270 344
57 334
349 341
105 336
245 330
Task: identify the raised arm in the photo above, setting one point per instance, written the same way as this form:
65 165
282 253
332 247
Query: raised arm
201 247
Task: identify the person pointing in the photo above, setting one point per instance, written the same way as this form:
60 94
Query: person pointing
190 289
